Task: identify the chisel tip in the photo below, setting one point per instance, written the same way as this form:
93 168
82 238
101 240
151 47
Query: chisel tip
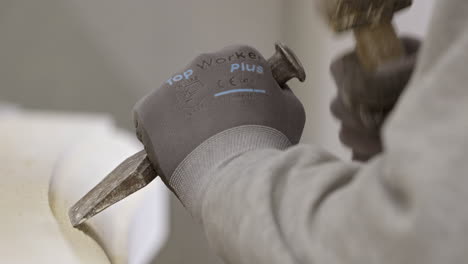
130 176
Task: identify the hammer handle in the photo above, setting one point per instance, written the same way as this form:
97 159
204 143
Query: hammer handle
377 44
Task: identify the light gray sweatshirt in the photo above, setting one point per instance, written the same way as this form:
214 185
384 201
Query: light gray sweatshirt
272 204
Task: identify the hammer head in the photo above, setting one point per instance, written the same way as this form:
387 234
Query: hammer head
344 15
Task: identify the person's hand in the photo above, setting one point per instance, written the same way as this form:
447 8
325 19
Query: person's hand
364 100
221 105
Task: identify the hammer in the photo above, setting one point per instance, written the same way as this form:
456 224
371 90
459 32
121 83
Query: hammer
371 20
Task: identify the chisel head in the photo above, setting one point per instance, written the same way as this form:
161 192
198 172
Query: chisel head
130 176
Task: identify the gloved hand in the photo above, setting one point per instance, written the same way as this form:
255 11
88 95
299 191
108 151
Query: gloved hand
364 100
221 105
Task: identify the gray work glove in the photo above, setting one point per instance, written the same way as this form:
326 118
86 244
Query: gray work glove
221 105
364 99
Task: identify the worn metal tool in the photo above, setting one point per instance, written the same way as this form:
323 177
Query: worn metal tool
136 172
371 20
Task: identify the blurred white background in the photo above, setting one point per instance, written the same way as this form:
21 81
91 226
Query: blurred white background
103 55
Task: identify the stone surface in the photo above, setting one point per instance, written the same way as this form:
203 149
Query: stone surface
48 161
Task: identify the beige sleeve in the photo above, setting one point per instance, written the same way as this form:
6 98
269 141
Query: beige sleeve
405 206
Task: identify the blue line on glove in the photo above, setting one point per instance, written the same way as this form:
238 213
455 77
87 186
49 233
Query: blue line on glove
240 91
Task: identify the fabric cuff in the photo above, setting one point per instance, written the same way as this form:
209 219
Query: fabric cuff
192 175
